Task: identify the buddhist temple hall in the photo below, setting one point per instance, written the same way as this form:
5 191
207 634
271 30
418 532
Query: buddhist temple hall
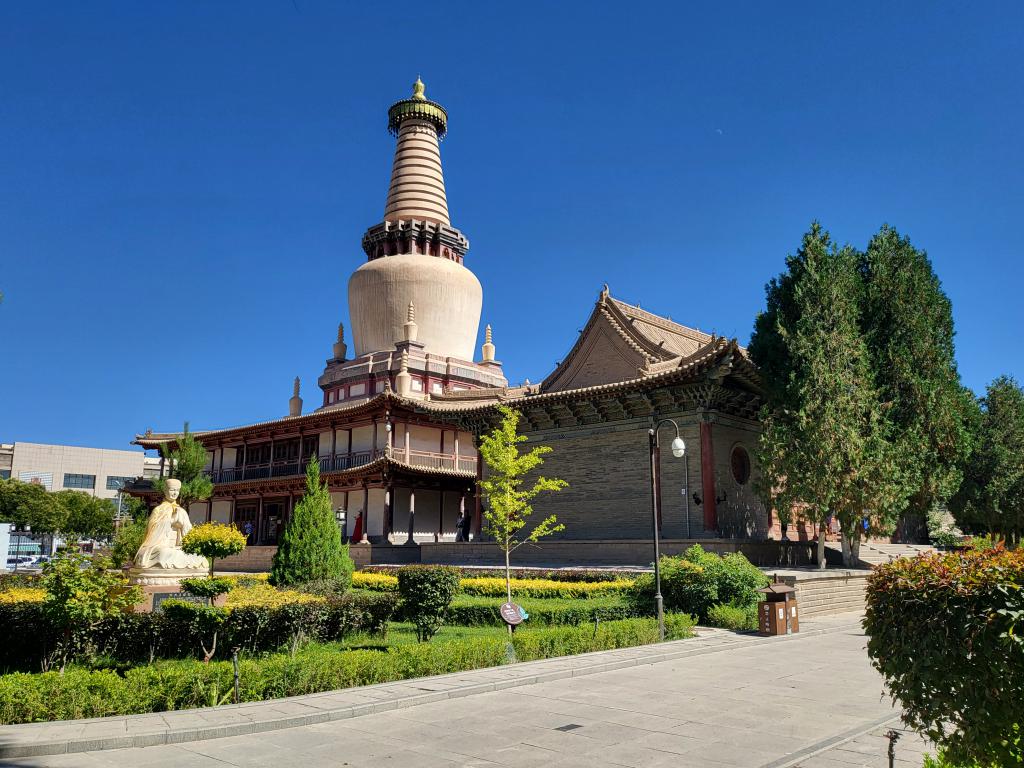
405 396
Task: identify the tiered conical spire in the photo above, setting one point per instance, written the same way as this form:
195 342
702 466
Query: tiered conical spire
417 182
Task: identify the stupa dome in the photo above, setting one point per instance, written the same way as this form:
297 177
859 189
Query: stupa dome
447 296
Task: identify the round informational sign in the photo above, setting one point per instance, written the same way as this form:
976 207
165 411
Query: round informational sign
512 614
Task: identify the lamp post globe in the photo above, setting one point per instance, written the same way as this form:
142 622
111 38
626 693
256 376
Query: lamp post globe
678 447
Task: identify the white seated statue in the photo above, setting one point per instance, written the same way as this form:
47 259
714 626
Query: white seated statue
160 559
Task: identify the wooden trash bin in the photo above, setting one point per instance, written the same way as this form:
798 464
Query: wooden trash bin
777 613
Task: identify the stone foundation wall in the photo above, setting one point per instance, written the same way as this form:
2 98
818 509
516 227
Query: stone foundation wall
829 593
637 552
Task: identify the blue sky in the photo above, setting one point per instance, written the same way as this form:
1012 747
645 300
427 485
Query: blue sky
184 186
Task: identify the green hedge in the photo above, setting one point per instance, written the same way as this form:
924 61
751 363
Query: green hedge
947 633
698 580
426 591
472 611
27 639
169 685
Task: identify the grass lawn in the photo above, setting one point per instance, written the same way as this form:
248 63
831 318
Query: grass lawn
404 633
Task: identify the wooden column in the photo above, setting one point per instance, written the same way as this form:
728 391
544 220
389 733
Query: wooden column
412 516
259 521
334 444
366 515
478 512
440 516
373 448
389 514
455 455
406 442
707 476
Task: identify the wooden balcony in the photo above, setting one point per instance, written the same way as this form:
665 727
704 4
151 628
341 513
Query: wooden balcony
340 462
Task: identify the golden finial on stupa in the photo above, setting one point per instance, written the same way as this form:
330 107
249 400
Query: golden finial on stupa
418 88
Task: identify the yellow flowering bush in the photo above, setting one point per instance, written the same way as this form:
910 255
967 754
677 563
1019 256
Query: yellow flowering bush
262 595
22 595
490 586
487 586
378 582
213 541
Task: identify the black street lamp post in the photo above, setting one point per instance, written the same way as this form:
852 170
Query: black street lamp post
679 451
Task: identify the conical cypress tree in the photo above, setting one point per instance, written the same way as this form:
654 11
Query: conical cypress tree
311 548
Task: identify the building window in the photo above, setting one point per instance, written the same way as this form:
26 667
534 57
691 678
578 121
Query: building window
417 385
330 396
379 386
79 481
436 387
740 465
5 474
115 483
357 389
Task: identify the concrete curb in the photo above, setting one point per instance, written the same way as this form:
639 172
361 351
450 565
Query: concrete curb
825 745
531 673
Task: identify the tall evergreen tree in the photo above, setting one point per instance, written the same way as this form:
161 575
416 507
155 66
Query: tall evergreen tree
310 548
908 327
823 449
991 497
188 460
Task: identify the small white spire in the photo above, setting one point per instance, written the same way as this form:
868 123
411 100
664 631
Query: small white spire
340 348
403 381
295 402
488 348
410 327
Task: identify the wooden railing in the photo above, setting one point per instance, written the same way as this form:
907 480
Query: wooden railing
436 460
340 462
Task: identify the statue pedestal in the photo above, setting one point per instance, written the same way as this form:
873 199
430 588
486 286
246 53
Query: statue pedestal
159 584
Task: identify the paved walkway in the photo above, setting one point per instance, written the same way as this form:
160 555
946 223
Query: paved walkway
719 700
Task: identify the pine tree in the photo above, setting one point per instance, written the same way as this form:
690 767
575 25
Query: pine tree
188 460
908 328
823 450
991 497
310 548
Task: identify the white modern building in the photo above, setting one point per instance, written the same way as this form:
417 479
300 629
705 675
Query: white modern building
100 472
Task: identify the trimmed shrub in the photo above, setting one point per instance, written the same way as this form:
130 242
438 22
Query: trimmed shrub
213 541
28 639
170 685
945 631
378 582
261 595
22 595
699 580
551 574
487 586
733 617
493 587
426 592
536 644
210 587
12 579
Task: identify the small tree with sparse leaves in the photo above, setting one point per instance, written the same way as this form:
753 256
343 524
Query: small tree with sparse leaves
508 495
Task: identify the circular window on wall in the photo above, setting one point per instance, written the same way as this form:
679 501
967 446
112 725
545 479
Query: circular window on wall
740 465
